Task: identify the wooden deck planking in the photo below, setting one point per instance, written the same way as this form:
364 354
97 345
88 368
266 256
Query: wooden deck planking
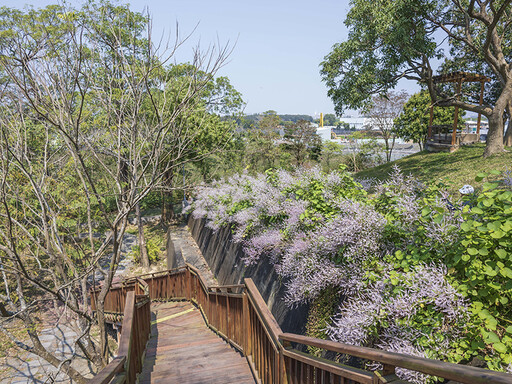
183 350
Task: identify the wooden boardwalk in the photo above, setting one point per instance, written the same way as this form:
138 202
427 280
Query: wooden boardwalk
183 350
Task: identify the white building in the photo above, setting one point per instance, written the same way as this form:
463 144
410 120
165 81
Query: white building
357 122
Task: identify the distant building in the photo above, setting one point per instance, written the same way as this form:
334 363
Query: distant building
355 122
471 126
324 132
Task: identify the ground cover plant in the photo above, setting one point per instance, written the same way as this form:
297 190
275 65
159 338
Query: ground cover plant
416 269
452 169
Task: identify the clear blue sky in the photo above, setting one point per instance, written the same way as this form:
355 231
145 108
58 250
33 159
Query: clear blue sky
279 45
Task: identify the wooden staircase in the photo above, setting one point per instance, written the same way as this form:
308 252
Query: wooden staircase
182 349
226 334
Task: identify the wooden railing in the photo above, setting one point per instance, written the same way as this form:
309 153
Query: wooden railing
239 314
134 303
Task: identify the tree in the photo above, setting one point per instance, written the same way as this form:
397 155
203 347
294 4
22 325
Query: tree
202 123
462 59
269 122
302 138
330 119
364 151
381 50
330 150
382 112
263 144
89 127
412 124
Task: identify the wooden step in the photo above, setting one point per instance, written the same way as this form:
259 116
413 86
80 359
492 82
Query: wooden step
183 350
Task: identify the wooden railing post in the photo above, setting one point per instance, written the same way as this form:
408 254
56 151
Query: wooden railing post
189 284
283 370
385 375
228 333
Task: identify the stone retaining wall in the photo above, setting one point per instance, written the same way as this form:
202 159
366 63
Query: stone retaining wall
225 260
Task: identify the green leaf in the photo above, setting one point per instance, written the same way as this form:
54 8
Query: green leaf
501 253
506 272
488 202
465 257
509 329
491 323
484 314
489 186
491 337
500 347
479 177
472 251
494 226
477 210
465 227
490 271
497 234
506 226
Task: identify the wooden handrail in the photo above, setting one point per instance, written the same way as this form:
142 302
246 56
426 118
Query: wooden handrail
132 343
457 372
244 320
112 369
264 313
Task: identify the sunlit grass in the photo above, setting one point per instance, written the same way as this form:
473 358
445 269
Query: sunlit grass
453 169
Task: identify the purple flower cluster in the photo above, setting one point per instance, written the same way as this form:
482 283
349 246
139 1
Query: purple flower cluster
507 180
267 242
402 190
345 249
333 254
394 300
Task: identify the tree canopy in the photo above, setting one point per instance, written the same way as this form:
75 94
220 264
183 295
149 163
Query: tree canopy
390 40
412 123
93 118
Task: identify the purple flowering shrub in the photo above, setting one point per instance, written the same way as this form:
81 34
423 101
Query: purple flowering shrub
397 257
416 312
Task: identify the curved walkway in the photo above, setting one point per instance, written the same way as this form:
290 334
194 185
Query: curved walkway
183 350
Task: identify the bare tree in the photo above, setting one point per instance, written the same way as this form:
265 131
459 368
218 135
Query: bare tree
382 113
90 124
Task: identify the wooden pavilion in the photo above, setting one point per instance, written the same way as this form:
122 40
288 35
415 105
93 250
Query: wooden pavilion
451 137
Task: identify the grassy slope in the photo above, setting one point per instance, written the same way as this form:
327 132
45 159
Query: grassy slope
453 169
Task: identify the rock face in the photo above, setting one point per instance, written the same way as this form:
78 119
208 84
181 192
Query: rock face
224 258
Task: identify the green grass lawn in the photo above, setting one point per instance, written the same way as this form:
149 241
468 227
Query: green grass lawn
453 169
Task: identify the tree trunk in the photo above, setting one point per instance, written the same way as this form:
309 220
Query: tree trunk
63 365
144 258
508 136
507 141
494 143
41 351
388 152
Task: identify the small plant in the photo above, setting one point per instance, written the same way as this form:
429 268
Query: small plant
153 246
